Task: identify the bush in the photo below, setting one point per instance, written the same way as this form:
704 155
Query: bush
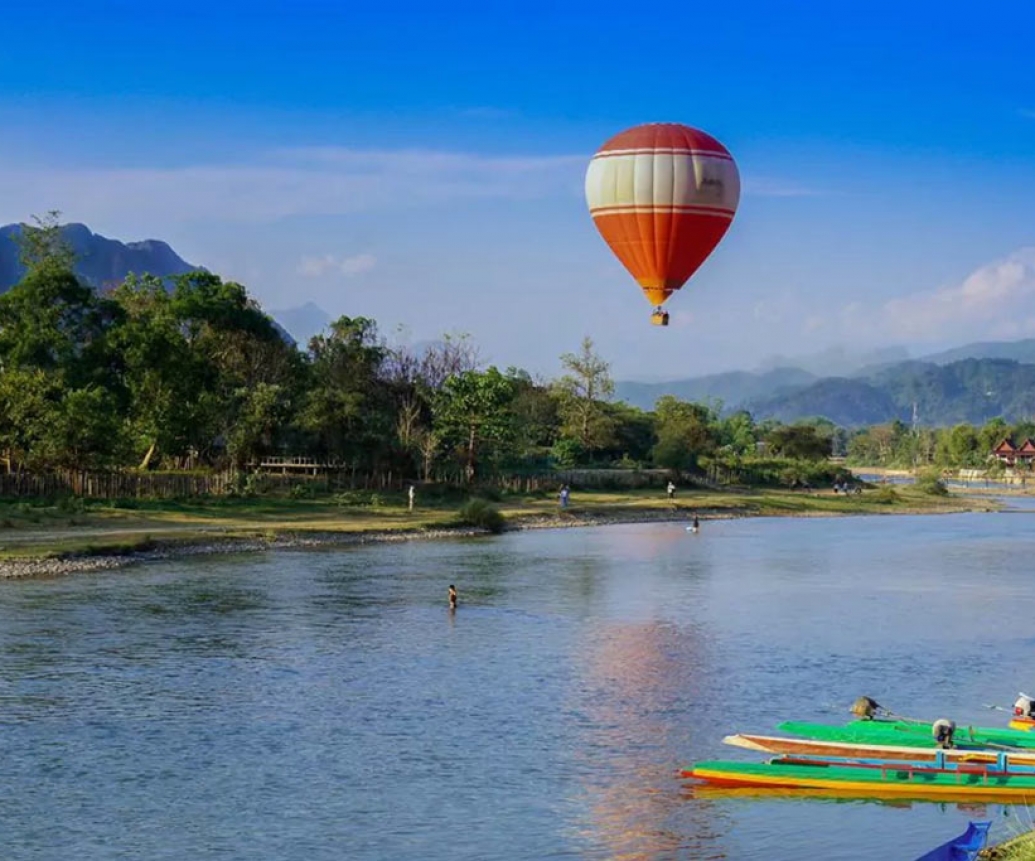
886 495
302 491
483 514
930 482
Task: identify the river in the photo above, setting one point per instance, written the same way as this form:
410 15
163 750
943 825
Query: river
317 705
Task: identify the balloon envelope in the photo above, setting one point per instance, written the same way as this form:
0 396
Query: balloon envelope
662 195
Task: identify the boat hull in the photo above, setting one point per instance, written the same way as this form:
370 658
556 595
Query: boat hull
891 781
815 747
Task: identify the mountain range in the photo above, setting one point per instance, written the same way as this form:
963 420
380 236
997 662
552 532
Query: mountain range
100 262
104 263
972 383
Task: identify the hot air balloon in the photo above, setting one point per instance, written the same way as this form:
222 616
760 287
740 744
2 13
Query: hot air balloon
662 195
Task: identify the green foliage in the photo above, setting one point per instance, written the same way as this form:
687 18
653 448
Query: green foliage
777 472
41 245
567 453
302 491
581 395
685 433
801 441
930 482
886 495
482 514
471 415
157 375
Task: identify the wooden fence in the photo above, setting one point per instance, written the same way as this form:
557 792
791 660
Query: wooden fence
183 485
116 485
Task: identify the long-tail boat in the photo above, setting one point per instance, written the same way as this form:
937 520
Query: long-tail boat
880 779
805 746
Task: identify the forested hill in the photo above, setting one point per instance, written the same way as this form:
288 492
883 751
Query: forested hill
731 388
971 390
99 261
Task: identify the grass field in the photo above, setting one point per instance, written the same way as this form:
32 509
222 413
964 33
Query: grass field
69 527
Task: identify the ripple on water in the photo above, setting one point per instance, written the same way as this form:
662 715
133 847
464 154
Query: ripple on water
328 705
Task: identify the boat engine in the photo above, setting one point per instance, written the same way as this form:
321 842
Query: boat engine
866 708
1024 707
943 731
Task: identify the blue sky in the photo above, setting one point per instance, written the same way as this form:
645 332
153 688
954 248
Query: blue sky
422 164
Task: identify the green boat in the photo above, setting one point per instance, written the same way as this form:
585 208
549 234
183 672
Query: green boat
885 780
907 734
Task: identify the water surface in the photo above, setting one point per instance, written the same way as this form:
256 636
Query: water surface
327 705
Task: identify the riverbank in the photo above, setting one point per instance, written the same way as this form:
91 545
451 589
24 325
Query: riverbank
40 541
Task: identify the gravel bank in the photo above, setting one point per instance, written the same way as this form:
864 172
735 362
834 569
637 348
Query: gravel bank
73 564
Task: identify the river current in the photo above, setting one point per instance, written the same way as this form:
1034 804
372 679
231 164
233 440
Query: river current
303 706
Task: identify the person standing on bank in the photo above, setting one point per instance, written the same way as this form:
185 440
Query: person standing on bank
671 490
410 494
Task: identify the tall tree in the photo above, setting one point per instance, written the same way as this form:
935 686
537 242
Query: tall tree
471 413
685 432
347 408
582 394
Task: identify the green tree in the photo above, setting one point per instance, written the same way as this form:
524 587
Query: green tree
800 442
42 245
236 347
163 377
62 396
533 414
347 409
471 413
685 432
738 433
581 395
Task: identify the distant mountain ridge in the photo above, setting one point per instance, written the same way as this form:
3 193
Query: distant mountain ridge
104 263
100 262
732 388
946 388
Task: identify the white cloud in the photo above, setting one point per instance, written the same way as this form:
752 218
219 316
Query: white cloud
995 301
303 181
284 183
317 267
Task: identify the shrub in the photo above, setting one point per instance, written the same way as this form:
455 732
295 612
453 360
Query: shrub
886 495
351 498
930 482
483 514
302 491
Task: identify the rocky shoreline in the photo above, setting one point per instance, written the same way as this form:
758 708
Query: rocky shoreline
81 564
59 566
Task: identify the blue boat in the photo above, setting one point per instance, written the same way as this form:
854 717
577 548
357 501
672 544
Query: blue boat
962 848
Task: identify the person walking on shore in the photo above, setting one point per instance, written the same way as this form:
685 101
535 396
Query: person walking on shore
410 494
671 490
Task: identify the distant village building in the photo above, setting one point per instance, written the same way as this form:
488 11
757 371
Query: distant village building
1010 455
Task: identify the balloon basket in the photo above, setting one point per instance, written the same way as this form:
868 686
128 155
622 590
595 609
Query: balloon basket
659 318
